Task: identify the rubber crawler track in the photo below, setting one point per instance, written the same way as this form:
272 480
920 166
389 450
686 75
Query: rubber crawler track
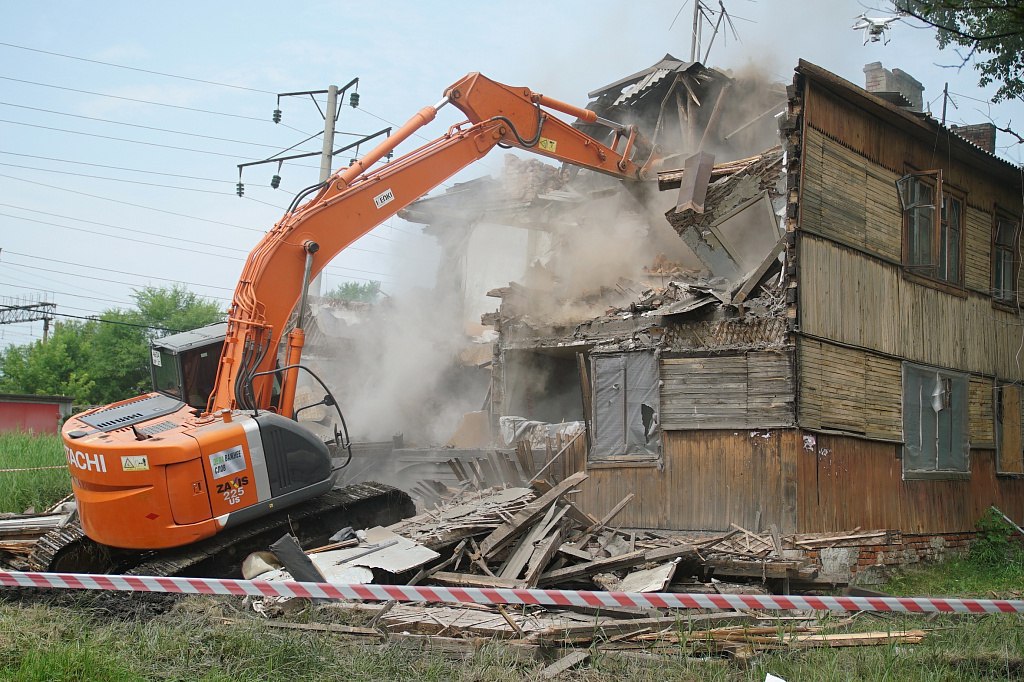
360 505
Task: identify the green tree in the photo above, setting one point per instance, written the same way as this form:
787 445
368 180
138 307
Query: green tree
57 367
366 292
102 361
992 31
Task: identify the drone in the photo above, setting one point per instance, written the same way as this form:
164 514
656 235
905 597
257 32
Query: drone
875 28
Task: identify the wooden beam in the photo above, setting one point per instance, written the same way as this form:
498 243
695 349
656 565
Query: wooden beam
506 532
596 566
693 187
563 664
468 580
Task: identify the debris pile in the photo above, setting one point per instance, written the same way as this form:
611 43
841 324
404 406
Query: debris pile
533 536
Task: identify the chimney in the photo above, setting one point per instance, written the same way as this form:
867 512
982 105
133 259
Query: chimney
980 134
895 86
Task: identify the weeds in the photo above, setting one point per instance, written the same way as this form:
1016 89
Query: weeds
38 489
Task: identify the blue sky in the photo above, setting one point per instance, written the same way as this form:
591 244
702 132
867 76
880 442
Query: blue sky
113 178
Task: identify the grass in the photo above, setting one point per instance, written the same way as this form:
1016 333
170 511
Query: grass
22 490
80 640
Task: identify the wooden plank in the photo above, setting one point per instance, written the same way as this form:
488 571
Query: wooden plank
1010 461
523 550
541 557
469 580
597 565
563 664
505 533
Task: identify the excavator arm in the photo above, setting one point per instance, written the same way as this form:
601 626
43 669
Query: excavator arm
151 472
355 200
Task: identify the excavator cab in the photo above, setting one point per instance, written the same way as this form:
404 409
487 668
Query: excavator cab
184 366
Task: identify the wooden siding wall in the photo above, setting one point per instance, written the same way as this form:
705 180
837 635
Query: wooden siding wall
848 482
854 299
845 389
753 390
829 484
708 480
890 147
850 200
850 390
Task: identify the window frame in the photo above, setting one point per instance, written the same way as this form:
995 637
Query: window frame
1011 301
602 451
956 389
936 272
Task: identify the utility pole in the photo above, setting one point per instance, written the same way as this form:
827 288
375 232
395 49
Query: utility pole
695 38
335 100
326 163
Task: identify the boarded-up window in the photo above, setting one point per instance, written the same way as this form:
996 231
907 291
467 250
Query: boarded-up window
754 390
1008 429
935 426
626 406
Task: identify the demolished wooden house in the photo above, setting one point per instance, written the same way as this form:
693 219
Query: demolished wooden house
831 344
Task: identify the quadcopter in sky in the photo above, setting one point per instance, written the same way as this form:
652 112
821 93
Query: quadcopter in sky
875 28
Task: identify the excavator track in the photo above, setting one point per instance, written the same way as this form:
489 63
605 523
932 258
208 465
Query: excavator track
69 550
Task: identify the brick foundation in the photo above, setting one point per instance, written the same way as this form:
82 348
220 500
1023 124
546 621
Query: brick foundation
872 564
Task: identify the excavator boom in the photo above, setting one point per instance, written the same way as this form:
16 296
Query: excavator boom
155 472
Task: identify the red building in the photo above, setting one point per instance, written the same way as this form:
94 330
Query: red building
35 413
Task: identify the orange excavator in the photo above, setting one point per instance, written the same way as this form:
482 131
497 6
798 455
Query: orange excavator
217 445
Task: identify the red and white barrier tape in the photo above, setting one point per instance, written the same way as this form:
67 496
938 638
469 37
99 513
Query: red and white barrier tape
407 593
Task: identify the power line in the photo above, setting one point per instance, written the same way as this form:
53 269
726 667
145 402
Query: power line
167 246
159 210
128 203
93 267
134 68
144 127
132 99
125 239
118 322
121 168
133 182
68 293
121 139
112 281
47 281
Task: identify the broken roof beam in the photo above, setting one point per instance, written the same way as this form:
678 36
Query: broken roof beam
693 188
672 179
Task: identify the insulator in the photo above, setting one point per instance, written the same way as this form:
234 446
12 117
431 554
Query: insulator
275 181
352 161
353 99
240 189
277 115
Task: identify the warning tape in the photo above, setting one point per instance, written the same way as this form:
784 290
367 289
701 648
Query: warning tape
59 466
473 595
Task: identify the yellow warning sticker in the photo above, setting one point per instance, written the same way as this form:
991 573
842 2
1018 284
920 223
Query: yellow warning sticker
547 145
135 463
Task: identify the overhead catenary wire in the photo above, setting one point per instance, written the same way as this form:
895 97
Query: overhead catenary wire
132 182
133 99
68 293
156 129
135 68
131 284
123 139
